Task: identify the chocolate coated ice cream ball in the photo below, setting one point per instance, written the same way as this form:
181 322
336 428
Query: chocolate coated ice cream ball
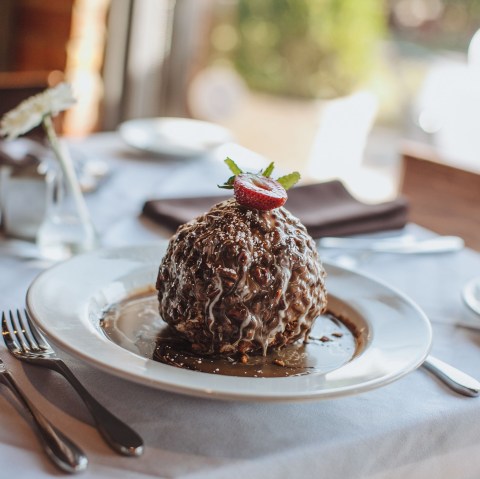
241 280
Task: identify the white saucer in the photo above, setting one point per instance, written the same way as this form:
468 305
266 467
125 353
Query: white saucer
471 294
178 137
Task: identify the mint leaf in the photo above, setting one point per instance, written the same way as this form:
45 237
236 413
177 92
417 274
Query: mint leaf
268 170
288 181
228 185
233 166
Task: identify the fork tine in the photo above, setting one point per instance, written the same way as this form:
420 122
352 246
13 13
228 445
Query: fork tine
32 332
29 342
17 330
8 335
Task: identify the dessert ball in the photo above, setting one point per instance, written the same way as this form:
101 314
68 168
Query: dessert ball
241 280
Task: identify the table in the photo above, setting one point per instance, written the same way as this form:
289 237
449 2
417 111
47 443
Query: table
414 427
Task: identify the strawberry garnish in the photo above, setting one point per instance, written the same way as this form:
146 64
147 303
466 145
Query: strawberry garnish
259 191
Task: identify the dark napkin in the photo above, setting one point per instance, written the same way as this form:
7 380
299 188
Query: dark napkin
326 209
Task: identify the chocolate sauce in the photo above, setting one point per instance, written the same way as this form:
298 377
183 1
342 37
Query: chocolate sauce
136 325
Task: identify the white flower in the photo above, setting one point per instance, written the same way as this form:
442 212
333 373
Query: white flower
59 98
32 111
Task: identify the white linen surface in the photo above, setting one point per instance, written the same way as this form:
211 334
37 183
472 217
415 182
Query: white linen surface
415 427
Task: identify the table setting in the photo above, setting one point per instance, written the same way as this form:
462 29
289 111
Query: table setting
389 390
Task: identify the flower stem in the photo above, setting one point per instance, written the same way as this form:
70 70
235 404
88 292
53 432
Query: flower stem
66 165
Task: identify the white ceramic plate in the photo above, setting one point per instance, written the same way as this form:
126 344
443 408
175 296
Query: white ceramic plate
471 294
67 301
179 137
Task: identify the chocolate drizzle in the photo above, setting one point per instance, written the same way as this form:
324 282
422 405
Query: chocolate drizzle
237 280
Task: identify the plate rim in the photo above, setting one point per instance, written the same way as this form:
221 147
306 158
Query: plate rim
185 152
468 294
207 392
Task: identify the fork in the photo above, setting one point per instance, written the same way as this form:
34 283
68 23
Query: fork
60 449
26 343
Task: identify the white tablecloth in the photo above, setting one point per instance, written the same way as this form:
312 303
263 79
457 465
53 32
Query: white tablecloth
415 427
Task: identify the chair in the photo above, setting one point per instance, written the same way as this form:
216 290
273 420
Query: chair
19 85
443 198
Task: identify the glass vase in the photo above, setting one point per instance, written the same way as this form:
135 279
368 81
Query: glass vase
67 229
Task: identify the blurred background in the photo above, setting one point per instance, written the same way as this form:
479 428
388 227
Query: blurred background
332 88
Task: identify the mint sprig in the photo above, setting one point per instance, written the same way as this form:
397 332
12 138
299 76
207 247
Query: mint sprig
287 181
234 168
228 185
268 170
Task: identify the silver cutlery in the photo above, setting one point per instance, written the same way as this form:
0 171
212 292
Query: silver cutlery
455 379
26 343
401 245
60 449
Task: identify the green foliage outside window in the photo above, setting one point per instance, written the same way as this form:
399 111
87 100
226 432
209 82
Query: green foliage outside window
308 48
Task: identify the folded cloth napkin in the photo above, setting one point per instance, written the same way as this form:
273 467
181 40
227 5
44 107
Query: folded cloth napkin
326 209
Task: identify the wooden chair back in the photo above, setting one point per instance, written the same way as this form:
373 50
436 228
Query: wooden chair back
442 198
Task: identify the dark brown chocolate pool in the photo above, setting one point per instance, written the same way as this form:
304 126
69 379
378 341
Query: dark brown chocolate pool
136 325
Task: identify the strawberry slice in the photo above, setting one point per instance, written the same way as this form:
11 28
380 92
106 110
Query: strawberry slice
258 192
